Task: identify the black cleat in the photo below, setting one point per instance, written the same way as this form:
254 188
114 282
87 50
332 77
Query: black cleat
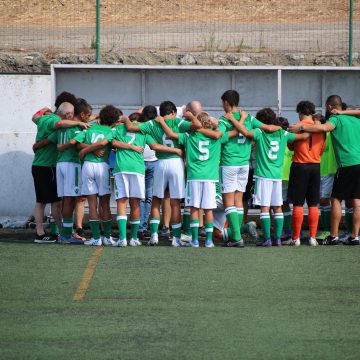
352 241
233 243
330 240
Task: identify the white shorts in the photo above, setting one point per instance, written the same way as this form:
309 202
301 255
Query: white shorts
169 174
95 178
201 194
268 192
129 186
326 185
68 179
285 185
234 178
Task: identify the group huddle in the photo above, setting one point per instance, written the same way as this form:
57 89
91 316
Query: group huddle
208 162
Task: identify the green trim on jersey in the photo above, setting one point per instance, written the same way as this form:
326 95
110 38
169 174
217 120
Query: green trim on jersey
287 164
270 152
130 161
328 164
202 155
93 135
236 152
155 130
62 136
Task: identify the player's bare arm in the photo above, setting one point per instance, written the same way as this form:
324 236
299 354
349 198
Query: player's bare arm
129 125
212 134
195 123
63 147
346 112
239 125
63 124
169 133
167 149
40 144
41 112
314 129
125 146
93 148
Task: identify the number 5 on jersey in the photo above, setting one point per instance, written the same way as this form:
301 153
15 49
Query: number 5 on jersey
204 150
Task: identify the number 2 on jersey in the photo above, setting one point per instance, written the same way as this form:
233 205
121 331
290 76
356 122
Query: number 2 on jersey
274 148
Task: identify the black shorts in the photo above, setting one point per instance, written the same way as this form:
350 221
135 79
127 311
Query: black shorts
249 186
347 183
304 184
45 184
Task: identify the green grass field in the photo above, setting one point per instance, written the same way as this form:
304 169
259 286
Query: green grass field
183 303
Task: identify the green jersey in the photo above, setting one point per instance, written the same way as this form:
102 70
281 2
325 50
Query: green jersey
62 136
93 135
345 138
236 152
270 151
155 130
202 156
47 155
287 164
130 161
328 165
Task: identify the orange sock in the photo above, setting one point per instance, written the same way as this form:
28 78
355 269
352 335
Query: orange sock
296 221
313 219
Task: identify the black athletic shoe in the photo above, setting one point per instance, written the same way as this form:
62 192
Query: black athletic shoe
80 232
233 243
45 239
331 240
352 241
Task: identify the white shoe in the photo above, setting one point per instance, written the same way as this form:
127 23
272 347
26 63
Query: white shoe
176 242
252 230
185 238
313 242
134 242
291 242
121 243
154 240
93 242
108 241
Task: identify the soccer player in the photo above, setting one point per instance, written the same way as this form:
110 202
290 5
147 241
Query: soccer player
234 164
169 172
44 166
344 133
270 150
304 181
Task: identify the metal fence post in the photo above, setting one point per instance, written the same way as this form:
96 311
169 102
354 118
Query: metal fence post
98 31
351 13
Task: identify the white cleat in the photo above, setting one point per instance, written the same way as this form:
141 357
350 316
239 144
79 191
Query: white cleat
291 242
185 238
108 241
313 242
121 243
134 242
154 240
176 242
252 230
93 242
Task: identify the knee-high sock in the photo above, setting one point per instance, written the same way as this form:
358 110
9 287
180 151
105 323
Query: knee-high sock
279 223
297 220
265 225
233 220
121 221
313 220
325 217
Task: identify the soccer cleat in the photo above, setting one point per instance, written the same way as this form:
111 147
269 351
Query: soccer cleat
165 232
134 242
286 235
194 243
209 244
202 231
44 239
154 240
176 242
344 238
233 243
71 240
323 235
120 243
185 238
277 242
266 243
108 241
331 240
313 242
292 242
353 241
93 242
252 230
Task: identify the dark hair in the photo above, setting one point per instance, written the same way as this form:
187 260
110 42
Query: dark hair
109 115
82 106
266 116
283 122
232 97
335 101
319 117
120 112
343 106
149 112
65 97
136 117
167 108
305 108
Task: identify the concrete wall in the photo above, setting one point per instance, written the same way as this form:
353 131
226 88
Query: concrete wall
20 97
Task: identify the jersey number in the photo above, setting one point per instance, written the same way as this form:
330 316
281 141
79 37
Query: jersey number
241 139
167 142
132 135
96 138
273 150
204 150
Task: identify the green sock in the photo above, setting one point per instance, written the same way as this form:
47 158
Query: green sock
287 221
135 224
67 224
194 225
176 230
325 217
54 229
279 223
349 219
265 225
209 228
154 225
107 226
241 217
186 222
121 221
227 234
244 228
232 217
95 228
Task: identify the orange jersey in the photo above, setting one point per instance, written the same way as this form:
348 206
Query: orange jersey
309 151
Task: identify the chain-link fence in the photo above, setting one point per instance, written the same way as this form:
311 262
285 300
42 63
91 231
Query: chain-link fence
246 26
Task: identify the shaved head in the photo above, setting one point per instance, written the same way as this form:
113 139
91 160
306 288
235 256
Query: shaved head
194 107
65 110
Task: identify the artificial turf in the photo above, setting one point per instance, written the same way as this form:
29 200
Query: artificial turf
183 303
